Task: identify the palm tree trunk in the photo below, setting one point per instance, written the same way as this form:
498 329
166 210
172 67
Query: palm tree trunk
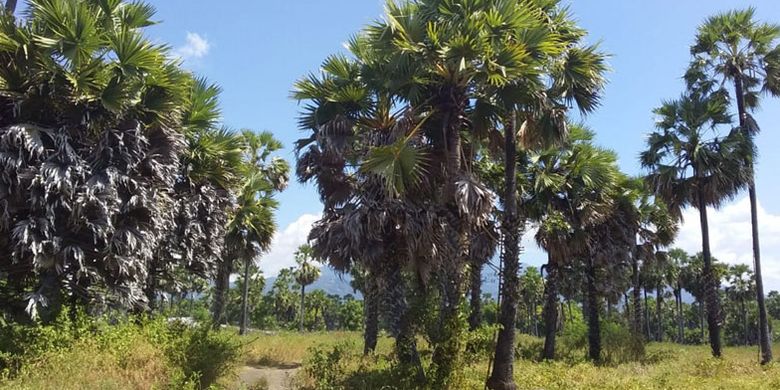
400 324
636 298
475 317
594 326
502 377
648 333
221 286
371 310
712 300
659 291
765 341
550 310
10 6
701 319
245 300
680 325
745 320
303 306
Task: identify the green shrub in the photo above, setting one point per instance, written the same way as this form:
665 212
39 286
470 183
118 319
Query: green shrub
481 343
528 347
618 345
327 367
133 352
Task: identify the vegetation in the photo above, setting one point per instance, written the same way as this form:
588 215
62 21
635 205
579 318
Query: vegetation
132 219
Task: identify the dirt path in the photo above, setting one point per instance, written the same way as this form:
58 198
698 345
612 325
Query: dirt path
278 378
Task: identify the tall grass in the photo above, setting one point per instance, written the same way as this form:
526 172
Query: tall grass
132 353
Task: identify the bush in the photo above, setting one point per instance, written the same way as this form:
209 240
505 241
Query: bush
528 347
618 345
481 343
84 352
328 367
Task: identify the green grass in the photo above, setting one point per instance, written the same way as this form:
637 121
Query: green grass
666 366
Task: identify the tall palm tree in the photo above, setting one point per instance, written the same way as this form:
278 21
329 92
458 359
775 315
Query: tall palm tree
737 48
571 190
306 274
87 171
252 225
691 166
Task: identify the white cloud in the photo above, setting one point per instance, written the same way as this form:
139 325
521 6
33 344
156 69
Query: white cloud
195 48
285 243
731 240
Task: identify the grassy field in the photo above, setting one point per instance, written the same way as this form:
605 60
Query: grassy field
667 366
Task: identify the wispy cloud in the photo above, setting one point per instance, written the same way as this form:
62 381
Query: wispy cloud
195 48
285 243
731 240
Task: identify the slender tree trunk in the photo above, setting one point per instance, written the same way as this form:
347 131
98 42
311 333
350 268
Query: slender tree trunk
550 310
659 291
502 377
303 306
765 341
680 318
594 326
400 322
648 333
745 321
710 285
10 6
475 317
245 300
221 286
635 292
371 310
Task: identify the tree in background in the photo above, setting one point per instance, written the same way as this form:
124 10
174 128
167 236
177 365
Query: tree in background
306 274
736 48
691 166
252 224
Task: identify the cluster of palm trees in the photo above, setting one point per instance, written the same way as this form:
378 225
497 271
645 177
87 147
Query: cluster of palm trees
119 182
445 104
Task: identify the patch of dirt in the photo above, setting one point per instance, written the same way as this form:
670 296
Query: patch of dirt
278 378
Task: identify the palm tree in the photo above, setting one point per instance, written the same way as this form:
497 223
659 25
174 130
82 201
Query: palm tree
87 171
737 48
252 226
572 191
209 176
741 286
306 274
677 258
689 169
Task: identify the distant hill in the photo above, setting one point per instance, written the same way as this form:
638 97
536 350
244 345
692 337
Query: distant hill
330 281
333 282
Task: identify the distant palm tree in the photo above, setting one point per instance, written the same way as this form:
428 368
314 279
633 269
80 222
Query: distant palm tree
691 166
252 224
737 48
677 259
741 287
306 274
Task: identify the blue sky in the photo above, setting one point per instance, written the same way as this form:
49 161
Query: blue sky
256 49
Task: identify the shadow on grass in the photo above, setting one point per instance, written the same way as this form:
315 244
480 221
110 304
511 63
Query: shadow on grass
265 362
